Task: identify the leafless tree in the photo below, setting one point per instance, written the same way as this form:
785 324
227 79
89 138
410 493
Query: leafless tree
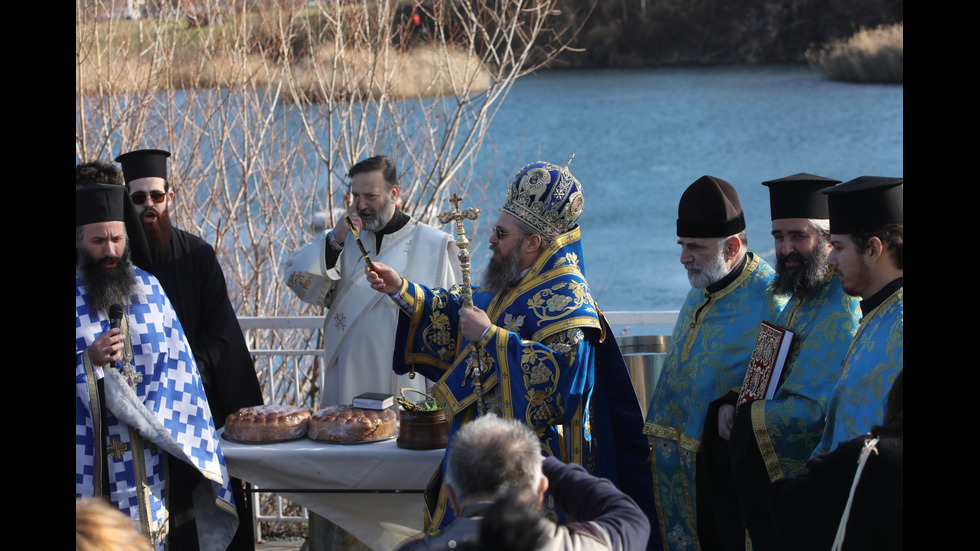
265 109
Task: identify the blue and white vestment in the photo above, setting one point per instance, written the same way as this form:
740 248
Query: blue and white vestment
159 407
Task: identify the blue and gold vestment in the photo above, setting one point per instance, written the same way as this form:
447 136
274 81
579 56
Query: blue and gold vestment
552 365
772 439
707 357
873 360
788 427
157 407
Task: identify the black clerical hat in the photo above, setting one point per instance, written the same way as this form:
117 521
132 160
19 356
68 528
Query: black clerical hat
799 196
111 203
867 203
100 203
144 163
709 208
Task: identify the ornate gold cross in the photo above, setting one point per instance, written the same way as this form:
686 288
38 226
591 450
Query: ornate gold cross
464 256
116 448
475 366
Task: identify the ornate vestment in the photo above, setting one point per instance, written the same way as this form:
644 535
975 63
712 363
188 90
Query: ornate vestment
772 439
154 403
549 362
873 360
708 355
788 427
359 328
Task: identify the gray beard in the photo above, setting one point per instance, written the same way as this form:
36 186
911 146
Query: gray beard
502 272
708 274
107 286
381 218
805 278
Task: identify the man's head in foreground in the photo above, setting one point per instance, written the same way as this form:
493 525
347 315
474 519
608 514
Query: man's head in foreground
801 230
492 456
710 231
145 172
867 233
543 202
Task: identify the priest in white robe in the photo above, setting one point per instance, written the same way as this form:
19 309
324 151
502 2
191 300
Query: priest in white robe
359 328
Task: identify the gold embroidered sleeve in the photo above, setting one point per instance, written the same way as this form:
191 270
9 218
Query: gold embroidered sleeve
566 343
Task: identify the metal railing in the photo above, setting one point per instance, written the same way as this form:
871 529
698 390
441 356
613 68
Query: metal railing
288 373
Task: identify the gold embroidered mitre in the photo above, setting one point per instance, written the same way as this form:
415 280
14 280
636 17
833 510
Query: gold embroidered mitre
546 197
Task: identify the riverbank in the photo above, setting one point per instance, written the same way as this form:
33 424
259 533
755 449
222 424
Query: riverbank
365 52
298 51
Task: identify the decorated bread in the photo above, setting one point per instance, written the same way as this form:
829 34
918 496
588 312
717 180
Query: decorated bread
349 424
268 423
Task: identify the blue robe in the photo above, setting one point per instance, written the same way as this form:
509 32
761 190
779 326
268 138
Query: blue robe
707 357
787 428
869 369
552 365
772 439
159 407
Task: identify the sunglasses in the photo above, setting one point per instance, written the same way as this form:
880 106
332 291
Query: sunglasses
500 234
140 197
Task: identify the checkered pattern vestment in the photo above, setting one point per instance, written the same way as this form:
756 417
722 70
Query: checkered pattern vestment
166 409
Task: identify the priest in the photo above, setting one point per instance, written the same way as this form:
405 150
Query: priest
359 328
533 346
731 293
771 439
188 269
139 399
867 231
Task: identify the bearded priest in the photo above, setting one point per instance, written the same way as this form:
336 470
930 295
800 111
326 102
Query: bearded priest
533 347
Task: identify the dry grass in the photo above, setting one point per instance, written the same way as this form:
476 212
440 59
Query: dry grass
417 72
870 55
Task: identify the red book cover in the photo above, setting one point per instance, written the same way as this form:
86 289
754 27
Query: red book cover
766 364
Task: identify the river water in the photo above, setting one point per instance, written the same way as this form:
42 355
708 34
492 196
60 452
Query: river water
641 136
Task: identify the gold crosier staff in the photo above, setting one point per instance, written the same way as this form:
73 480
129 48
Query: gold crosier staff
474 364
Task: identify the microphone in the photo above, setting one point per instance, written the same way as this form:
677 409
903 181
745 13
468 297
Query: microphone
115 317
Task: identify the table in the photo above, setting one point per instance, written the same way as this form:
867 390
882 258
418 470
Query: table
341 482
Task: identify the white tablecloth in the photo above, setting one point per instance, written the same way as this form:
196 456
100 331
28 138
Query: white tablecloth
379 520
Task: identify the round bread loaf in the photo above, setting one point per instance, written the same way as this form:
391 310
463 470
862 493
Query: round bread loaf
349 424
268 423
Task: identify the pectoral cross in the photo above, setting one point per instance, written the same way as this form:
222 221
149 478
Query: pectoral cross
132 376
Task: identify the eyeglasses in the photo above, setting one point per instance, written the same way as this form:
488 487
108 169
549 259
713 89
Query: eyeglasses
140 197
500 234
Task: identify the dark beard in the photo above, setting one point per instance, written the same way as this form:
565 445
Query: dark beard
158 233
107 286
502 272
805 278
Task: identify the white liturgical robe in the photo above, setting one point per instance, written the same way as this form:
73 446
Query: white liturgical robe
359 328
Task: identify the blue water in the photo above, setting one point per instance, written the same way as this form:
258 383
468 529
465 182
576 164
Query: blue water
641 136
